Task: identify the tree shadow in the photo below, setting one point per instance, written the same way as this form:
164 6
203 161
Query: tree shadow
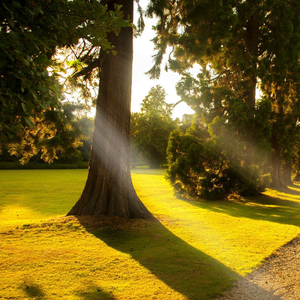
282 208
98 294
33 290
182 267
293 189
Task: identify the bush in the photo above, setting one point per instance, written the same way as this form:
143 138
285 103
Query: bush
200 168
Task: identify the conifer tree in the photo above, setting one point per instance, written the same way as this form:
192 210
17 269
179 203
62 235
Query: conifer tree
236 44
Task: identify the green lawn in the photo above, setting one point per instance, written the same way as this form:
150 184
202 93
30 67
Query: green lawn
195 251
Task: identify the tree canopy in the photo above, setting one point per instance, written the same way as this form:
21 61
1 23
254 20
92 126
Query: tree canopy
238 45
30 90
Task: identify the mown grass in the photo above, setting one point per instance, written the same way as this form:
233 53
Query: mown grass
195 251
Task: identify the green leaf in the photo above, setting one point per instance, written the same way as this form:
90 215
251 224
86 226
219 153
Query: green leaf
16 4
40 10
24 108
29 122
11 22
26 62
5 6
105 43
34 94
19 127
41 88
42 59
43 104
31 11
30 107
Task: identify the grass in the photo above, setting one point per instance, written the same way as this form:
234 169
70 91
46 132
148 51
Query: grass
195 251
28 196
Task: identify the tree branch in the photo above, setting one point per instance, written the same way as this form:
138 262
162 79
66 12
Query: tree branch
88 69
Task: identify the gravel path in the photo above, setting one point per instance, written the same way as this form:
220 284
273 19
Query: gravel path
277 278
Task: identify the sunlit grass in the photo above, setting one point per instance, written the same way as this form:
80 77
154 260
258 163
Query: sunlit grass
193 252
239 234
27 196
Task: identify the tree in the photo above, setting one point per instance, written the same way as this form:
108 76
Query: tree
279 73
86 125
35 30
30 91
134 147
235 51
206 163
109 189
152 127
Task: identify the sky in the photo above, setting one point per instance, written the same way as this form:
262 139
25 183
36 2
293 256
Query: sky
143 50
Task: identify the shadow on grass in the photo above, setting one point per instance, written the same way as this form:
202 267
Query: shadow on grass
33 290
282 208
182 267
97 295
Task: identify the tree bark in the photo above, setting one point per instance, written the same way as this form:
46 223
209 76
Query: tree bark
109 188
276 174
252 43
287 173
297 177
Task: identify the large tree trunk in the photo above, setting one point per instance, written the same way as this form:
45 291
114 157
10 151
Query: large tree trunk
109 188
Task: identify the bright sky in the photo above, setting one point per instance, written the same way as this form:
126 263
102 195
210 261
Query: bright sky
142 62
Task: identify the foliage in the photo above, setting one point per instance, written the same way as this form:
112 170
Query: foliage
234 54
56 134
86 126
204 165
30 91
63 137
151 128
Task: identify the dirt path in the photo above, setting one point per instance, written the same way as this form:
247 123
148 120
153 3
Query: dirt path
277 278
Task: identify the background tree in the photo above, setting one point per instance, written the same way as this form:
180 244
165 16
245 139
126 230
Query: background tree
151 128
86 126
63 136
134 147
233 42
279 73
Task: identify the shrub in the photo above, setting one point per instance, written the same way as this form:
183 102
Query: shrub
202 167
